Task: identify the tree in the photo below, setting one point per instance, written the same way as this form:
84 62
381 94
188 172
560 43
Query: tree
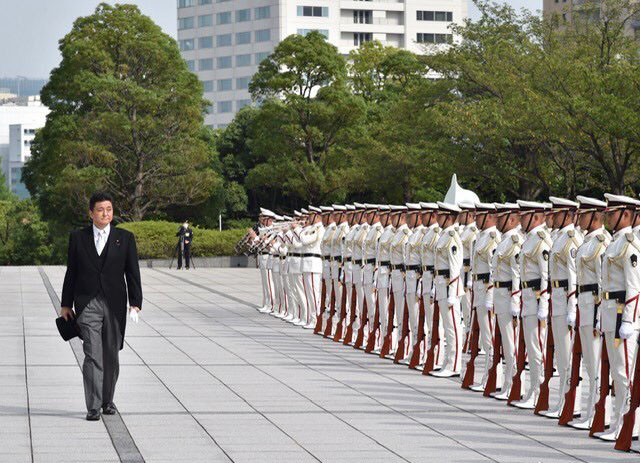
126 116
24 237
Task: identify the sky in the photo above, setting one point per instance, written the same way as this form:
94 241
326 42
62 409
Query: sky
30 29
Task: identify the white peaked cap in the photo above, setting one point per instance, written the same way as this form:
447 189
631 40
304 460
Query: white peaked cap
395 208
359 205
338 207
457 194
297 213
428 205
466 204
351 207
326 209
413 206
620 199
286 217
384 207
586 201
266 212
315 209
532 205
304 211
279 217
448 207
562 202
371 206
506 206
486 206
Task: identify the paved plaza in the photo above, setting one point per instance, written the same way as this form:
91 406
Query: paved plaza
206 378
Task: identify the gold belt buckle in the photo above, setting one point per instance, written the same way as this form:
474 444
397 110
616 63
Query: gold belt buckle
606 295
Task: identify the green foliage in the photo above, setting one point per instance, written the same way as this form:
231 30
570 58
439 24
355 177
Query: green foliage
157 239
24 237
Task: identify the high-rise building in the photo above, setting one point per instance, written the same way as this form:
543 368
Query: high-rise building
223 41
568 10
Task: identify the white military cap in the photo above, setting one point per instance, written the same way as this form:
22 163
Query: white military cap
315 209
589 203
620 200
532 205
338 207
286 217
304 211
562 202
466 204
486 206
428 205
351 207
371 206
413 206
266 212
506 206
395 208
384 207
359 205
448 207
326 209
297 213
279 217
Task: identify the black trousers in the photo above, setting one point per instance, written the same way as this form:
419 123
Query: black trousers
187 255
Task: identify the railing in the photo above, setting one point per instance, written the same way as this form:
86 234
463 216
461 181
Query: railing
372 21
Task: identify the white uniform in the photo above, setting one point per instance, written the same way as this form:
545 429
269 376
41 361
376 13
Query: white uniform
383 277
263 257
311 239
534 277
358 270
413 266
337 265
325 250
481 259
275 276
449 289
428 253
295 277
370 254
468 237
347 258
562 272
397 279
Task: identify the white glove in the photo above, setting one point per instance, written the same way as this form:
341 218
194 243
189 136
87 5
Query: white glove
469 283
514 310
133 315
543 313
626 330
571 319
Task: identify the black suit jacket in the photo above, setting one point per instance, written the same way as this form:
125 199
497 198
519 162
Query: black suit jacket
85 276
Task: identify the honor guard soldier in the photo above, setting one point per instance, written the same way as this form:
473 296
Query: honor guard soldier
265 221
295 271
276 279
292 263
311 238
353 216
482 253
358 262
413 271
336 260
449 287
396 254
384 274
534 279
379 216
329 218
562 274
588 278
619 308
468 234
503 292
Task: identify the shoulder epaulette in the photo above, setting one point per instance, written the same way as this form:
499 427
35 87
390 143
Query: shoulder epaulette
541 234
600 238
452 232
515 238
492 234
629 237
571 233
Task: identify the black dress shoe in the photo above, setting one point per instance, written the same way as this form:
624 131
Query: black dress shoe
93 415
109 409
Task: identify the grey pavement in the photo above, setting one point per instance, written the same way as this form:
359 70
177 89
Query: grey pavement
206 378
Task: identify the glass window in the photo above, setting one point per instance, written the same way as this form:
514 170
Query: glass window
204 2
224 85
205 20
319 11
260 56
207 86
205 42
186 45
225 106
243 15
223 18
243 60
191 65
223 62
185 23
205 64
449 16
185 3
223 40
263 35
324 32
220 1
242 103
263 12
441 16
242 83
428 15
243 37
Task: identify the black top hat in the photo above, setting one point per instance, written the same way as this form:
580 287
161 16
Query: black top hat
67 329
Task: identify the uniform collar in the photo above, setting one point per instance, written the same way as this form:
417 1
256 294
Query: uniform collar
97 231
491 228
513 231
593 233
451 227
404 226
377 223
567 228
624 231
537 229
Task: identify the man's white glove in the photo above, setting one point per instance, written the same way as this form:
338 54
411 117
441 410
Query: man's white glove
626 330
133 315
514 310
469 282
543 313
571 319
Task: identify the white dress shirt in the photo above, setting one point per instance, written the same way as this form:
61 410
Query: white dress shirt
100 237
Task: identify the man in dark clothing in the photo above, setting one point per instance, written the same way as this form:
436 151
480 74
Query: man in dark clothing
185 235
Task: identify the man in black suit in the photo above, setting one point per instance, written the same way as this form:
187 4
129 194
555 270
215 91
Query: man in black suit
185 237
99 259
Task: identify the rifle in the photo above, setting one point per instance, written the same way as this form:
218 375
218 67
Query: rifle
405 334
352 319
490 387
467 348
516 385
363 321
332 312
469 373
597 425
343 312
570 396
323 307
417 350
543 399
371 341
386 343
623 442
435 340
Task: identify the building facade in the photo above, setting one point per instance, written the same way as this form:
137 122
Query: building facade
223 41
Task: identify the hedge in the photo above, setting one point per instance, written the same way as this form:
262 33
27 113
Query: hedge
157 239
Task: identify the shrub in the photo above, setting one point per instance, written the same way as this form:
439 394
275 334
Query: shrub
157 239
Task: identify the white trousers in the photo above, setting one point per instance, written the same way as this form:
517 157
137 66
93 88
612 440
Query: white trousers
297 294
411 295
277 288
534 335
312 291
450 318
266 284
508 336
562 356
591 346
622 362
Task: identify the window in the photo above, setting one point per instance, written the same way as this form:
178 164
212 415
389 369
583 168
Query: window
434 38
263 35
223 18
191 65
205 64
242 83
324 32
243 60
319 11
205 20
204 2
208 109
220 1
185 23
434 16
205 42
564 17
207 86
243 15
186 45
242 103
224 85
225 106
260 56
243 37
223 40
185 3
361 37
263 12
223 62
362 16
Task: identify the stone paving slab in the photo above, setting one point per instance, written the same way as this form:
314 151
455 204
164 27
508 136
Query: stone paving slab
206 378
